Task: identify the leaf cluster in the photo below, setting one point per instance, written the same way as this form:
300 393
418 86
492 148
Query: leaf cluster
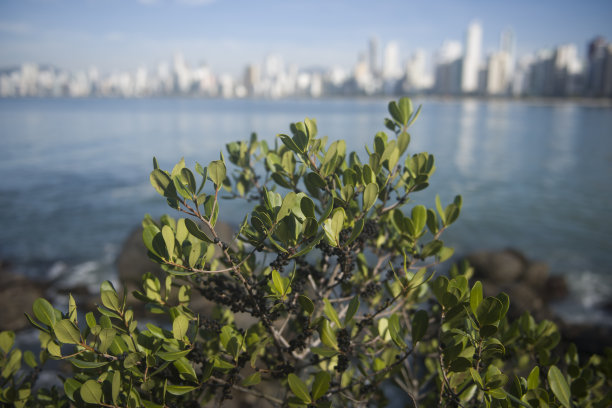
325 296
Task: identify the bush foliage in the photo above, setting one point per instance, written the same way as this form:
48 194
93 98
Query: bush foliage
325 297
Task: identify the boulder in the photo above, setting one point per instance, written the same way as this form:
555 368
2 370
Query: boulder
17 294
528 283
536 274
498 266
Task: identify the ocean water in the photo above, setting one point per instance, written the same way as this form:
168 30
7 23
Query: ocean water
534 176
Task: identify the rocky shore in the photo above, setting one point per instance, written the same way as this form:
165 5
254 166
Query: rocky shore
530 284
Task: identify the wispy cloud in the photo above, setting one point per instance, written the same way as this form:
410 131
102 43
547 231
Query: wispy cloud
14 28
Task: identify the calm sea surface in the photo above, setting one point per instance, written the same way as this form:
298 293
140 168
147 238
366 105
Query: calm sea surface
536 177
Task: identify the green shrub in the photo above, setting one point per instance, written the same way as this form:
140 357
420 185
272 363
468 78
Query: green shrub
333 268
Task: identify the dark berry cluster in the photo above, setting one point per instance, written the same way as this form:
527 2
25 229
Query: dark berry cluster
370 231
210 324
346 258
344 344
371 290
224 291
231 379
282 259
344 341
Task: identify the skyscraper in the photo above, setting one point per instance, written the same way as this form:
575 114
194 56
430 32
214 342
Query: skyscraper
471 58
391 64
373 56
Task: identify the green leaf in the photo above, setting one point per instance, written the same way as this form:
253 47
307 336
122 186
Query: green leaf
476 377
396 113
419 218
306 304
116 386
110 300
180 389
333 226
395 332
169 240
66 332
216 172
91 392
299 388
44 311
184 367
440 210
162 182
489 311
405 108
172 355
7 339
420 323
87 364
194 230
328 337
289 202
70 387
432 248
357 229
107 336
533 381
370 195
320 384
559 386
29 359
308 207
352 309
324 351
252 379
476 296
331 313
72 308
287 141
179 327
278 283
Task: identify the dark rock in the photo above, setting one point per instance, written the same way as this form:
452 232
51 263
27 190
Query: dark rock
17 294
499 266
523 298
588 338
555 288
537 274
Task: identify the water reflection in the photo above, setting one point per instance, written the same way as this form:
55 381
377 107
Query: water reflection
466 144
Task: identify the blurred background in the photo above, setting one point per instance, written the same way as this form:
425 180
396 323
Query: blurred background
516 108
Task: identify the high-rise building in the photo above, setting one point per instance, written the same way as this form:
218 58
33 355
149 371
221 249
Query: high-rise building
471 58
596 56
507 44
498 77
373 56
416 78
448 68
391 63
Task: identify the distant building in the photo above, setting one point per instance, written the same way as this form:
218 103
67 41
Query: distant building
373 56
596 60
416 79
471 58
498 75
448 69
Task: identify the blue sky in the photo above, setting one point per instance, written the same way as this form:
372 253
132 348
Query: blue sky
125 34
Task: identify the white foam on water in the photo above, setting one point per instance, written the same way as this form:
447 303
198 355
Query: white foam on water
589 291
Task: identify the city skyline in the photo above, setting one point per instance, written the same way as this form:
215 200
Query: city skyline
228 36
